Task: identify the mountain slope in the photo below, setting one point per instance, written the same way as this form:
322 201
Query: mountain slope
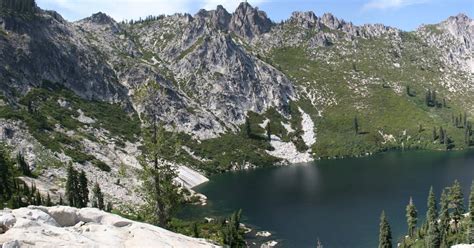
323 87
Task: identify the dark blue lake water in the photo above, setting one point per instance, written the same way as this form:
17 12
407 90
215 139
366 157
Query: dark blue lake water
337 201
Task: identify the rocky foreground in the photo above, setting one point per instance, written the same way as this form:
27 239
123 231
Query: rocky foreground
70 227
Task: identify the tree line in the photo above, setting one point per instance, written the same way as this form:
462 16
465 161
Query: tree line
77 191
15 193
445 223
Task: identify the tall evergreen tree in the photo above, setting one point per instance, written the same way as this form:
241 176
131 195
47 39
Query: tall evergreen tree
161 193
432 212
433 237
248 129
48 202
83 190
456 199
441 135
97 197
470 227
38 200
6 182
385 234
72 190
24 167
269 131
412 217
444 217
356 125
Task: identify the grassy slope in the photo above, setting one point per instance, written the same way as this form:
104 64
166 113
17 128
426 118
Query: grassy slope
376 95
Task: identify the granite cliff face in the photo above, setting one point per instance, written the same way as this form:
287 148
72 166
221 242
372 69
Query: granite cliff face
200 74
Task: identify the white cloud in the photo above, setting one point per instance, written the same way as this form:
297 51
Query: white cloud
134 9
391 4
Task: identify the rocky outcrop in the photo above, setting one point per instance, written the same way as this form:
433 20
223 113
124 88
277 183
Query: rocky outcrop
70 227
249 22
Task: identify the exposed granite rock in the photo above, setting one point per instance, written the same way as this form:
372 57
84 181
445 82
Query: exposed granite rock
249 22
70 227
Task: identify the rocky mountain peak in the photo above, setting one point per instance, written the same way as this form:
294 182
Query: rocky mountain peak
331 21
461 27
101 18
221 18
305 19
249 22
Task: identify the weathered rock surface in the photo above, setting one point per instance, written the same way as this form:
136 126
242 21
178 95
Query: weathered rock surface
70 227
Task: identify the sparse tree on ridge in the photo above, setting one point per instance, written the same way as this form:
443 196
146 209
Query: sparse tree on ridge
444 213
456 200
385 233
161 194
470 227
269 131
356 125
412 217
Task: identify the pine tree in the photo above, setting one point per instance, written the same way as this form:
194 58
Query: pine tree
431 213
248 129
446 140
465 120
470 228
269 131
161 193
83 190
109 207
195 230
24 167
433 237
97 197
72 190
412 217
456 199
38 200
444 213
441 135
6 182
48 202
385 234
428 98
356 125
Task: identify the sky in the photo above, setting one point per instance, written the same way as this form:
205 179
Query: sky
404 14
